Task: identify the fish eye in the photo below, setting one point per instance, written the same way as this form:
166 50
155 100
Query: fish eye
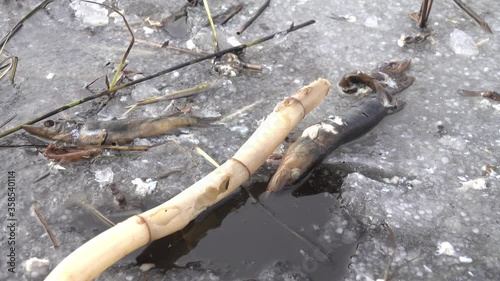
49 123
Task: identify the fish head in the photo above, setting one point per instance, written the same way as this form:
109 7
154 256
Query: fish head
299 160
54 130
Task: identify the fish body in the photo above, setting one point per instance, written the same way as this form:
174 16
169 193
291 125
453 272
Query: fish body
114 132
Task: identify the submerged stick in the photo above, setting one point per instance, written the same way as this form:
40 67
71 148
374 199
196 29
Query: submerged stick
175 214
45 225
163 72
252 19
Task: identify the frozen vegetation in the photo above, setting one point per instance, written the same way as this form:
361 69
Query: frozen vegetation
422 188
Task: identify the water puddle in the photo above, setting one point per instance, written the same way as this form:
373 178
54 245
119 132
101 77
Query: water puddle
240 238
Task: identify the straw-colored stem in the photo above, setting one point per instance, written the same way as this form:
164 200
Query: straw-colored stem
95 256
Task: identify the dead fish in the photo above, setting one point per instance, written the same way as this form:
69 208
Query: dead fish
322 138
114 132
485 94
391 75
405 40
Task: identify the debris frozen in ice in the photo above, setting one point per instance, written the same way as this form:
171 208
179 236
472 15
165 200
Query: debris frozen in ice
371 21
462 43
393 180
104 177
144 142
242 129
144 188
53 166
148 30
465 259
233 41
190 44
205 113
489 170
445 248
36 267
144 91
347 18
477 184
90 14
146 266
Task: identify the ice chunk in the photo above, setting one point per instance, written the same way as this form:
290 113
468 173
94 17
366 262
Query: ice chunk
462 43
371 21
90 14
104 177
477 184
144 188
36 267
465 259
445 248
144 91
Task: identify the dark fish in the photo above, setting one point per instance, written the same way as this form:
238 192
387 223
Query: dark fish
114 132
322 138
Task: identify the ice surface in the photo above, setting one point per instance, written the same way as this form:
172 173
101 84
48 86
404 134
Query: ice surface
462 43
420 172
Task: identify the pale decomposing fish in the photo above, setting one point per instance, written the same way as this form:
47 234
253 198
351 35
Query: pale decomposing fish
321 139
114 132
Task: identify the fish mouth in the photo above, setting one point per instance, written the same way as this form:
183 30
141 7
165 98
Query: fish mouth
36 130
47 132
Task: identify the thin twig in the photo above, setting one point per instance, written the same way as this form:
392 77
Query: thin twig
167 45
214 34
8 120
163 72
172 96
42 219
100 216
235 10
12 67
474 15
241 110
251 20
207 157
